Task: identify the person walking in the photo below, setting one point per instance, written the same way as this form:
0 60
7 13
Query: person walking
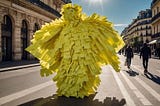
129 55
145 53
158 52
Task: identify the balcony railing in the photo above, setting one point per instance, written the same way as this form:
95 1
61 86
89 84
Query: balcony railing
140 23
144 22
45 7
156 35
156 17
148 35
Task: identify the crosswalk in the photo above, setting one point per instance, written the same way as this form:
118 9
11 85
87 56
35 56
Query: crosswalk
123 90
134 89
145 101
151 93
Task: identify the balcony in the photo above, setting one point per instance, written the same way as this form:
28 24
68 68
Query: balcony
156 35
148 35
144 22
155 17
45 7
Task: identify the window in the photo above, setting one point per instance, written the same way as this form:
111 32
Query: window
5 20
154 30
24 39
36 27
154 12
146 32
6 38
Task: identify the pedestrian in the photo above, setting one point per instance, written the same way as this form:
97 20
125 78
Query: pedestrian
145 53
129 55
158 52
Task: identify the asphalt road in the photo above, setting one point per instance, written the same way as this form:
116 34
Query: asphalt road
25 87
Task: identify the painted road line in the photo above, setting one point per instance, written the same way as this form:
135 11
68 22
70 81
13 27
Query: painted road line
139 95
158 71
23 93
123 90
16 73
148 88
18 67
137 68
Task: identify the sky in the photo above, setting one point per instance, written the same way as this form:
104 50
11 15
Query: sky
119 12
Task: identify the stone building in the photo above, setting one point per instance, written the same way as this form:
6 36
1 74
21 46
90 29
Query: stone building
155 7
19 19
139 31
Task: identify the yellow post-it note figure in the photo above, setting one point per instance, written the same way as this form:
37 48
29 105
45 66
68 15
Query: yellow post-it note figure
74 47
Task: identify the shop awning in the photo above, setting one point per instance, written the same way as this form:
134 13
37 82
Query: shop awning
152 42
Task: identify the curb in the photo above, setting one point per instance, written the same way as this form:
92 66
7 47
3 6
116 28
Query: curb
18 67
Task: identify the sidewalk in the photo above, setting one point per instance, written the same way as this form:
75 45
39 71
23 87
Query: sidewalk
14 65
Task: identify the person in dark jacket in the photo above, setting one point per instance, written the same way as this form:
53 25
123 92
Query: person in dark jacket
129 56
145 53
158 52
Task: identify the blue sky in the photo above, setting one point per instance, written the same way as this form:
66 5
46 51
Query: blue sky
119 12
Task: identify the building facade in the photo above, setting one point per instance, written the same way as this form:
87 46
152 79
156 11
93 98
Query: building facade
155 6
19 19
139 31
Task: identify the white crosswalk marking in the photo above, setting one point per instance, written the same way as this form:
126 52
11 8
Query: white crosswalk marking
136 67
139 95
158 71
148 88
139 68
123 90
23 93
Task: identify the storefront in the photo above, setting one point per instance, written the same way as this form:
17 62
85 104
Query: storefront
154 45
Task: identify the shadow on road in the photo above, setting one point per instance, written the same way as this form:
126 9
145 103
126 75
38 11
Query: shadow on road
152 77
131 72
64 101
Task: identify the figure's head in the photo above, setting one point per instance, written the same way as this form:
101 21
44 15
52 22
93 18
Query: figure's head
71 12
128 46
145 44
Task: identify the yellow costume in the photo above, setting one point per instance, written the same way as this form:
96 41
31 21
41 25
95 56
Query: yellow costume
75 46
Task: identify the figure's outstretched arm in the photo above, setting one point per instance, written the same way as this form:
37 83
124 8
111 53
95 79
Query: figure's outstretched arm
48 31
106 40
41 38
43 42
107 30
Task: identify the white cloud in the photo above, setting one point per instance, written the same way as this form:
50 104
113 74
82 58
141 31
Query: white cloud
120 25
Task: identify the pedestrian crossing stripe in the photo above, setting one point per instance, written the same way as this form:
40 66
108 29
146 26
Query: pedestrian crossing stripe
158 71
123 90
139 95
147 87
